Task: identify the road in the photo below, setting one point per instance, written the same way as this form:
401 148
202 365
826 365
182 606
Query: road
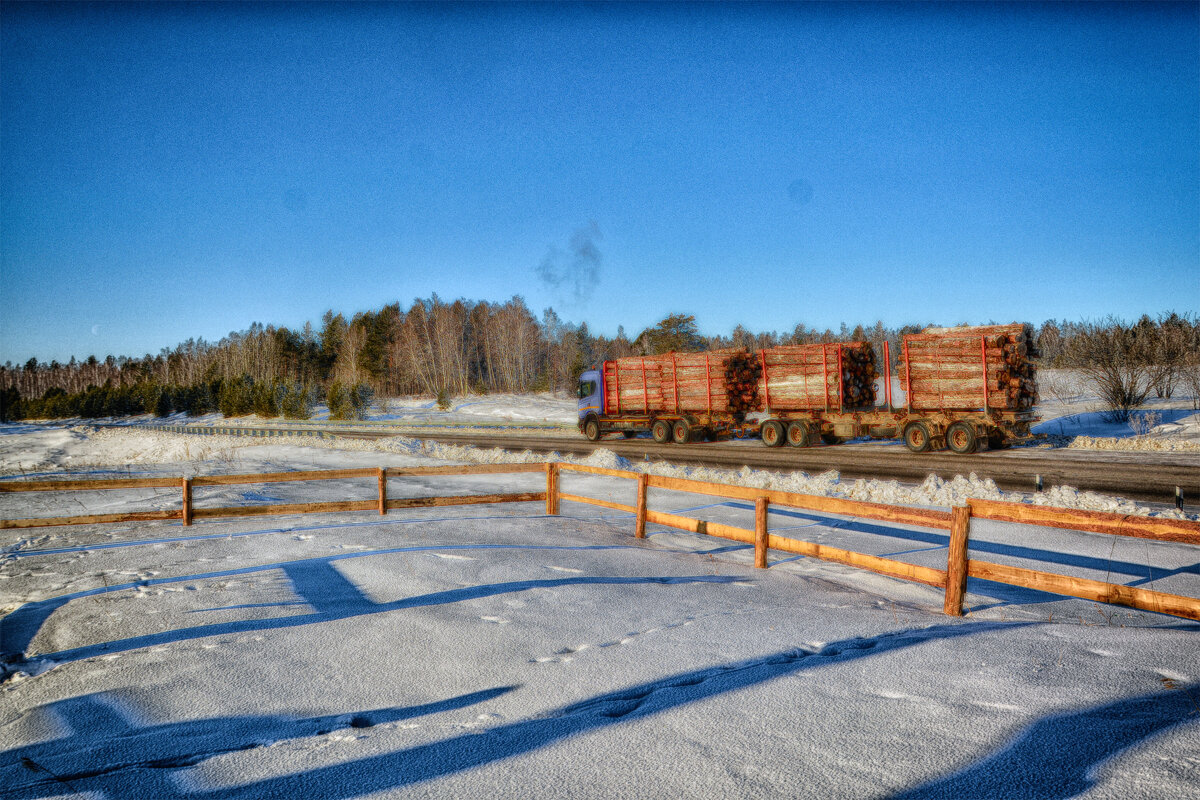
1147 477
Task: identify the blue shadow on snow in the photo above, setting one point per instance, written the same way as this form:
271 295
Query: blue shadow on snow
104 756
1055 757
331 596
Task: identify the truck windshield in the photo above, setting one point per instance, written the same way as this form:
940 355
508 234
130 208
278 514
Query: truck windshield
586 388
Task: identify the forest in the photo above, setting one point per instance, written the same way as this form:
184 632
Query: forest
446 349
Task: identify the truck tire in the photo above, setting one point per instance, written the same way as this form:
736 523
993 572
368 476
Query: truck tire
799 435
916 437
680 432
772 433
591 429
661 431
961 438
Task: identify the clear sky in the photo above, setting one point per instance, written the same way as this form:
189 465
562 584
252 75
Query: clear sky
179 171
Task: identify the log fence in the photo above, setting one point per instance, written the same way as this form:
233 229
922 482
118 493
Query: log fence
957 522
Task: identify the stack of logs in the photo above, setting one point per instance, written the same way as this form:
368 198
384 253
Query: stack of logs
859 374
805 377
742 372
692 382
633 385
945 368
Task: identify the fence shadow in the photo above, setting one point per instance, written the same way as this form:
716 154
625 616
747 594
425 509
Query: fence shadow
105 755
1055 757
330 594
110 753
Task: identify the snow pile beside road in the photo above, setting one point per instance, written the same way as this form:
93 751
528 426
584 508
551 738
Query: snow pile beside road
1135 444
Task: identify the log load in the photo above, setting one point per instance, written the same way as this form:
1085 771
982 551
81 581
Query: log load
955 368
742 373
697 382
805 377
633 385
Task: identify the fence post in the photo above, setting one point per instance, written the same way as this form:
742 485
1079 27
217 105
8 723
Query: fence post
551 488
956 560
639 529
382 491
760 533
186 514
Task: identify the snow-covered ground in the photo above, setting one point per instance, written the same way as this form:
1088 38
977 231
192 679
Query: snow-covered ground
1073 414
494 651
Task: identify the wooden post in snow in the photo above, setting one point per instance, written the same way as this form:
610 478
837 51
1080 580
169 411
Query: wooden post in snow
956 560
186 513
382 491
760 533
639 529
551 488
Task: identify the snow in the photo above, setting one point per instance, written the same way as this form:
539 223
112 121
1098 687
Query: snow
1073 415
493 651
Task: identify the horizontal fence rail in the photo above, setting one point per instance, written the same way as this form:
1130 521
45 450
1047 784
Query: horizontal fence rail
958 522
186 513
959 566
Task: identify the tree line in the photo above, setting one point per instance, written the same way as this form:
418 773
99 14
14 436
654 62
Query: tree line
444 349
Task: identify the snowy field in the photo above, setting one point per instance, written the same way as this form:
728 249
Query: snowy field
492 651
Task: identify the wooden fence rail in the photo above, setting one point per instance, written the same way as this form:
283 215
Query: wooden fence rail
953 579
187 512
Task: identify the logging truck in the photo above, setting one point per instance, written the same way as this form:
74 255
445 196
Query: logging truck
965 389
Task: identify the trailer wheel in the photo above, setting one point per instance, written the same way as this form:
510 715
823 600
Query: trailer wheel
916 437
961 438
591 429
661 431
772 433
832 438
799 435
680 432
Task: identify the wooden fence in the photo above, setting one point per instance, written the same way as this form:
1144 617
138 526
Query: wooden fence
952 580
186 513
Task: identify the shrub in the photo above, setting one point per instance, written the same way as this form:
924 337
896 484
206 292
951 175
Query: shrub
295 401
1117 362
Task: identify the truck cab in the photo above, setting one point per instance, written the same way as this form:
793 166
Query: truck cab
591 403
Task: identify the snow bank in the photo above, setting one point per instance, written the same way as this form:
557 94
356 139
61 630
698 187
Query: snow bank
1135 444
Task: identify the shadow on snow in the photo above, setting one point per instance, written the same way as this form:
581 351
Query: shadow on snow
1055 757
109 754
331 596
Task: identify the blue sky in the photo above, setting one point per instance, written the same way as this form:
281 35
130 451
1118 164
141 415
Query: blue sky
179 171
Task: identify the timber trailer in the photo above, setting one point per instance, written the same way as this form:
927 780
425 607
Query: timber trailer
965 389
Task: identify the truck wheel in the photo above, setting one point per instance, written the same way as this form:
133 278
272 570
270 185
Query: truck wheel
591 429
661 431
629 434
799 435
832 438
961 438
772 433
916 437
680 432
